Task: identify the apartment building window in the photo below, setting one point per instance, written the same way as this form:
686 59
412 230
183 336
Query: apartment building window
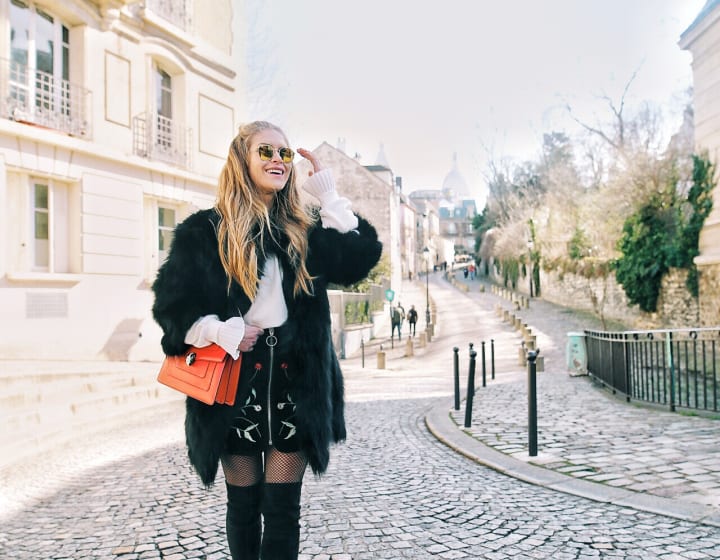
39 65
163 101
166 226
45 234
41 226
158 134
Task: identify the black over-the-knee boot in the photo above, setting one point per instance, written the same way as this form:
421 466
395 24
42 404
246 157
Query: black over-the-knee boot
242 521
281 515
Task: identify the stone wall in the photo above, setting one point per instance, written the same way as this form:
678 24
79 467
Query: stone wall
709 295
676 306
597 295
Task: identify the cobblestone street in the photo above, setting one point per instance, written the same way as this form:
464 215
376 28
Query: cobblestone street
392 491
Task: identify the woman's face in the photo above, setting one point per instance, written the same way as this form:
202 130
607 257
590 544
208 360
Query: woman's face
269 177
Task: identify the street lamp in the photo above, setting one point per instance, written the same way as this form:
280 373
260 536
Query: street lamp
426 254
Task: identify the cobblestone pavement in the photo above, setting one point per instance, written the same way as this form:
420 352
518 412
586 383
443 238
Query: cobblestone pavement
392 490
586 433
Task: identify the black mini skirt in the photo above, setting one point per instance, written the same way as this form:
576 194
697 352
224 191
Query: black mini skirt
264 410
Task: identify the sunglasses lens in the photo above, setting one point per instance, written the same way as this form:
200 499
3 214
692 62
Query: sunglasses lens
266 152
286 154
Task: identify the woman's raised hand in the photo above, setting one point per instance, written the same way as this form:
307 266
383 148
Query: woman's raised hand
312 158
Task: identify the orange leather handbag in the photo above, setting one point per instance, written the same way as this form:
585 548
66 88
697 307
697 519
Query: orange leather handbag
208 374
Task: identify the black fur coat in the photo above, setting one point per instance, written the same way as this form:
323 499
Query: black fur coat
192 283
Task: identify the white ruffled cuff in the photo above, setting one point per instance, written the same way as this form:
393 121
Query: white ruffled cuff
338 215
203 331
230 335
210 329
322 186
335 210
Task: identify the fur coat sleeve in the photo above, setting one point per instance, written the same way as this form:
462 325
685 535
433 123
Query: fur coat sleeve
190 283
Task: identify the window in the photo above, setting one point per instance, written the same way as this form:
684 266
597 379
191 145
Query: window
166 226
39 66
163 101
45 234
41 227
157 132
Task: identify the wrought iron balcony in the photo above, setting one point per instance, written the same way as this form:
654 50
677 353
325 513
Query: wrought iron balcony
39 98
161 139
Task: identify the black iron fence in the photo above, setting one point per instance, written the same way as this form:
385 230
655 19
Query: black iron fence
669 367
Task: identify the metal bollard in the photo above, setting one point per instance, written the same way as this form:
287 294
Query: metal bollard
532 402
362 352
482 355
456 376
492 358
470 390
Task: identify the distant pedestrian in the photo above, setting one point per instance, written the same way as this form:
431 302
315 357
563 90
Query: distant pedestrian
465 272
251 275
412 318
397 314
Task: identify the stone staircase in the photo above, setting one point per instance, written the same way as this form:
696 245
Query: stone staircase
45 404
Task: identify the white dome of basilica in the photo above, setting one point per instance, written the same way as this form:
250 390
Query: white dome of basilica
454 185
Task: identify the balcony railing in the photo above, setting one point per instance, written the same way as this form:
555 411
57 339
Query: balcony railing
177 12
39 98
161 139
676 368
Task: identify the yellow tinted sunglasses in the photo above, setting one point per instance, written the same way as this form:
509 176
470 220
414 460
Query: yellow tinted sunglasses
266 152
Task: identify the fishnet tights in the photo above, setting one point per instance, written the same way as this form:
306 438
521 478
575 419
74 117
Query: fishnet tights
279 467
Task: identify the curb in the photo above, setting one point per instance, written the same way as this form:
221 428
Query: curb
444 429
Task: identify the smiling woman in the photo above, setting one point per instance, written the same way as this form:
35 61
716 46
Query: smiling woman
270 163
250 275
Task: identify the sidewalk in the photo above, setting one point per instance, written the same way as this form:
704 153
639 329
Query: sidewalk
590 443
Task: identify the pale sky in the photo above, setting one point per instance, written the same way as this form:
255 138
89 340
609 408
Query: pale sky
428 79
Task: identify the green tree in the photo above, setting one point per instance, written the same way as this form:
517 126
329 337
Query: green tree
644 247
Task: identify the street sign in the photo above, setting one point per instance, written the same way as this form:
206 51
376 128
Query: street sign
389 295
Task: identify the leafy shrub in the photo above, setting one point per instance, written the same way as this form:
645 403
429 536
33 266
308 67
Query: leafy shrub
664 232
579 246
644 247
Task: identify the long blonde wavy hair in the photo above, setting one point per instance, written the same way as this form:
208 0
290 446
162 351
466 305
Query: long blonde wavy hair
245 219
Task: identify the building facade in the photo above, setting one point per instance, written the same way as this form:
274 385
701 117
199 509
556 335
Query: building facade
455 210
702 39
115 119
373 196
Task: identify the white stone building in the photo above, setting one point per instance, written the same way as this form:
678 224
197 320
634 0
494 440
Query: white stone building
702 39
115 119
